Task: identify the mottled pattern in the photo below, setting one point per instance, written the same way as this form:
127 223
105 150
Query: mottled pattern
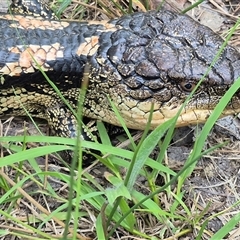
137 60
31 7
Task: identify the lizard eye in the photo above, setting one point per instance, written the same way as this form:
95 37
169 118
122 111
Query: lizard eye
187 86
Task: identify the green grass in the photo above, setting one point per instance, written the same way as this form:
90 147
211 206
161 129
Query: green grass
119 203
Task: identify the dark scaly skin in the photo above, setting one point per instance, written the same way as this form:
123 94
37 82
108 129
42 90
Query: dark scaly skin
31 7
137 60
